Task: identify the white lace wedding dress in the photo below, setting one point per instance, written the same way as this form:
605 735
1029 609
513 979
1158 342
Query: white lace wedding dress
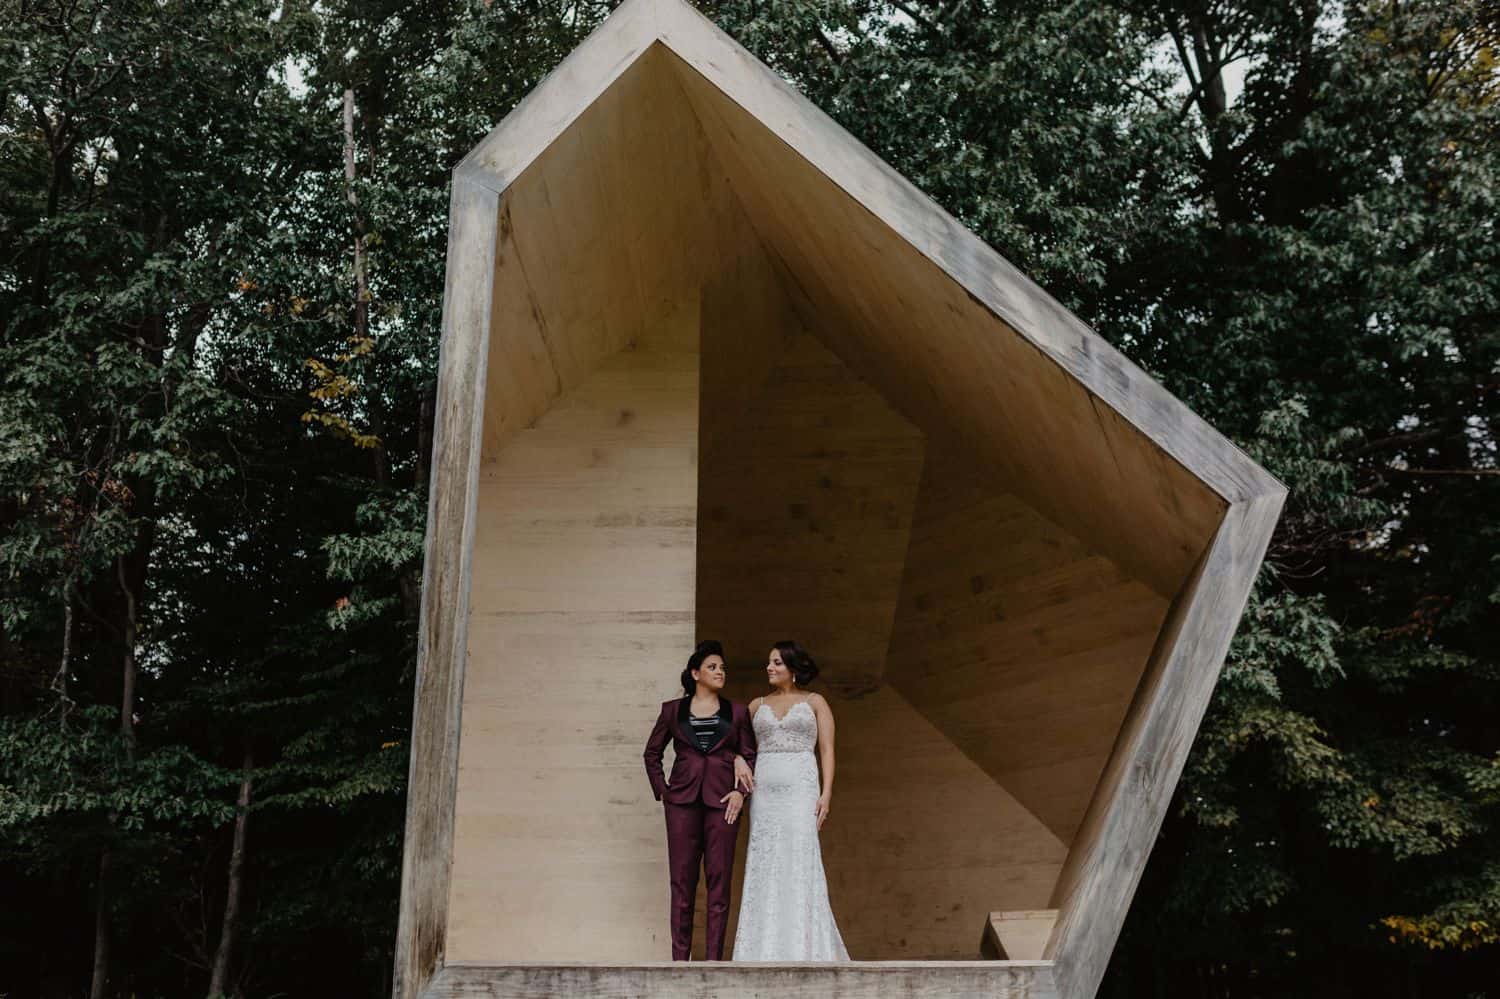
784 911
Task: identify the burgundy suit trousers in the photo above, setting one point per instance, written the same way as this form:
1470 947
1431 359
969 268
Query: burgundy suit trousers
697 834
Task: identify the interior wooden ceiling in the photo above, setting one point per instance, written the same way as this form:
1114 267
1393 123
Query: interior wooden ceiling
659 186
615 224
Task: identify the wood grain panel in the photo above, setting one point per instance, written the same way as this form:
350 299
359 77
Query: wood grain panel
922 843
582 611
748 324
998 287
1019 642
807 486
1019 934
805 501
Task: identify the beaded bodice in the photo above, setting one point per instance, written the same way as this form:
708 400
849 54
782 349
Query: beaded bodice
794 732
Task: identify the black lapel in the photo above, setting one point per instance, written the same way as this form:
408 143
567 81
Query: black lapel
684 708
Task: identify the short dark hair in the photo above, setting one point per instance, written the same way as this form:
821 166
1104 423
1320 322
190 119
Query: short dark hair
707 647
796 659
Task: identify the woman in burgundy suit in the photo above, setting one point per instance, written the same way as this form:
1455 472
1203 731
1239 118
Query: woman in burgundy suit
715 748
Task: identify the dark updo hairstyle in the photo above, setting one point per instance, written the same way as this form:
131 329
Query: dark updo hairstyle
796 659
707 647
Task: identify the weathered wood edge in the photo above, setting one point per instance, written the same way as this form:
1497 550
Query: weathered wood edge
854 980
1112 847
442 635
562 95
994 282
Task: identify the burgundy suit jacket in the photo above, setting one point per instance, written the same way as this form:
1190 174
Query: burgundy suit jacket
696 775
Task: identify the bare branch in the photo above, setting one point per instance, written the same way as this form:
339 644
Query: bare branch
1395 440
60 679
917 16
1464 472
833 53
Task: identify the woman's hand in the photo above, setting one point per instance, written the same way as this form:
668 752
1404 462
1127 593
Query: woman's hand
732 802
821 809
743 776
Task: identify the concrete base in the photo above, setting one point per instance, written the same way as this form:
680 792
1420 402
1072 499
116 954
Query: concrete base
911 980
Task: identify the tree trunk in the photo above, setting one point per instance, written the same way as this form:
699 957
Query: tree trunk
101 930
127 694
230 929
426 414
127 736
62 164
1213 103
60 679
361 285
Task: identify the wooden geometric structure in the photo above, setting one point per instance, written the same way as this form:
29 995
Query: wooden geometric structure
710 368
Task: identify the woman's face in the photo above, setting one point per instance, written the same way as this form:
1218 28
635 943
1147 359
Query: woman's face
712 673
776 670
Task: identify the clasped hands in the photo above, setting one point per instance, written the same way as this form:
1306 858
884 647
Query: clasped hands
734 801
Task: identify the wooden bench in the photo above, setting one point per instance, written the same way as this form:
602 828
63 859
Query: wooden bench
1017 936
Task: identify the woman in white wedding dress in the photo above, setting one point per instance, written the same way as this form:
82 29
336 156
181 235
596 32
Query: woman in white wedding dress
784 910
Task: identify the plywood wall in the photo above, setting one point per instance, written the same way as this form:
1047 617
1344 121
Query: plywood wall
922 840
1017 640
582 613
806 498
